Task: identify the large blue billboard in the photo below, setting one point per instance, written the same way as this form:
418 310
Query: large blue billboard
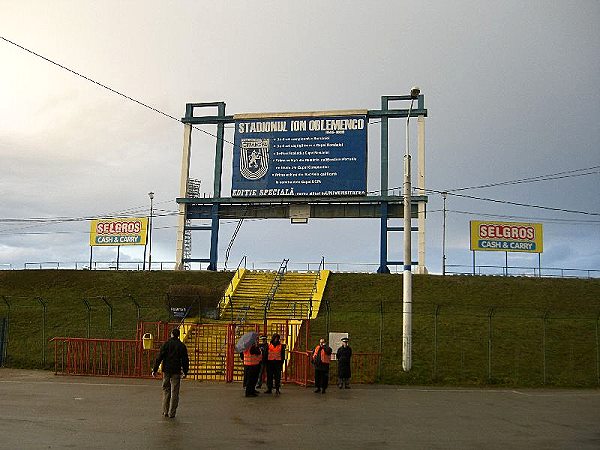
323 154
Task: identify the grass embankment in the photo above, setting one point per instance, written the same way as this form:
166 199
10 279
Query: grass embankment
65 293
466 330
487 330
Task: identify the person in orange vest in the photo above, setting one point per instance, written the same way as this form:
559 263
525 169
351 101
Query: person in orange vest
252 359
276 357
321 358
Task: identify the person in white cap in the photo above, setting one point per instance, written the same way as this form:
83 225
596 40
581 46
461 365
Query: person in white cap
343 356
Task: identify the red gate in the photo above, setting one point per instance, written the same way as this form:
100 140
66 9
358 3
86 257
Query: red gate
211 348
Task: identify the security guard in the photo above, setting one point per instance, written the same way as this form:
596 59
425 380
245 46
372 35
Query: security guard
252 359
321 358
276 357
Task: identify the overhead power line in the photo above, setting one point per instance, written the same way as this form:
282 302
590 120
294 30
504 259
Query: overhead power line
566 174
537 219
507 202
104 86
594 170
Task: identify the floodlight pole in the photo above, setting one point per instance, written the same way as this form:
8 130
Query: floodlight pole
407 273
151 195
444 195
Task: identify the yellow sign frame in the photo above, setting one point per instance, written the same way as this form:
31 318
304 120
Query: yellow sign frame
506 236
121 231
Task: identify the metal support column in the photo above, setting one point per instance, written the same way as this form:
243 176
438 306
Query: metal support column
421 269
383 249
183 184
383 245
214 233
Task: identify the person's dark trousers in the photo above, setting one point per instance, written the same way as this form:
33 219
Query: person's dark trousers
321 378
245 376
252 378
274 374
261 374
170 386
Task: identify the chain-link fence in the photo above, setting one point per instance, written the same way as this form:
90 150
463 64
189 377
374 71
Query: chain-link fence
452 343
32 321
472 345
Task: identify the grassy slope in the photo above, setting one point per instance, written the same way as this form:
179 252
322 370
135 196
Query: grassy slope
367 306
64 292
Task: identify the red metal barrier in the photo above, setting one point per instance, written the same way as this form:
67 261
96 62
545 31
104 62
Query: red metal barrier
211 350
102 357
364 368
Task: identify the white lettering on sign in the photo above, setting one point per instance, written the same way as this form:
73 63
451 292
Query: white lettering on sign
495 231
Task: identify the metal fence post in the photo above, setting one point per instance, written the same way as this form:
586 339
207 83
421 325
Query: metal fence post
544 346
89 316
137 306
327 317
490 342
110 315
380 336
6 330
44 306
597 351
435 339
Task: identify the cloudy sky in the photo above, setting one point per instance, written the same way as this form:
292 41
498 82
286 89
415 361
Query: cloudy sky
511 88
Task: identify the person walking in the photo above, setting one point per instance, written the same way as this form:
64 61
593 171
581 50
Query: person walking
343 355
321 358
175 365
252 359
275 359
264 348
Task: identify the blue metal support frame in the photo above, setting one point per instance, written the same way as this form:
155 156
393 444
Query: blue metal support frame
385 113
214 232
220 120
383 239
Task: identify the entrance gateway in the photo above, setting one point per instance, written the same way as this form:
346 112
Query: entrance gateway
299 166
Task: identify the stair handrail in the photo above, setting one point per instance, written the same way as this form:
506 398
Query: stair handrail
315 284
223 300
238 330
274 286
182 326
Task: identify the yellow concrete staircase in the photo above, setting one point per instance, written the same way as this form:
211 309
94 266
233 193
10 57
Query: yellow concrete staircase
284 296
287 298
206 350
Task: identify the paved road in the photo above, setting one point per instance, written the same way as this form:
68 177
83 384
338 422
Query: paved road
39 410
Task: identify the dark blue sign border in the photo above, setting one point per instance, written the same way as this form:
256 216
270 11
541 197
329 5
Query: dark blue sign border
300 156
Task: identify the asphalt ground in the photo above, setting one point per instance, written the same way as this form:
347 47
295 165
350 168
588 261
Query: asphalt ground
39 410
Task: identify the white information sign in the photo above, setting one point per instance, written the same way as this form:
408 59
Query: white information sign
335 342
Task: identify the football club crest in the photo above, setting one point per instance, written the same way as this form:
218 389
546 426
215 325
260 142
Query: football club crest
254 158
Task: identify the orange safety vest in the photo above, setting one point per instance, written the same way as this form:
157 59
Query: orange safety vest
250 359
275 352
325 358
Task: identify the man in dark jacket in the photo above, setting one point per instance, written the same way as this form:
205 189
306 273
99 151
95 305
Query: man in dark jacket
343 355
174 358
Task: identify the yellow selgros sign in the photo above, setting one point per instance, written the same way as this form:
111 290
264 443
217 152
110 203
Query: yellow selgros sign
507 236
128 231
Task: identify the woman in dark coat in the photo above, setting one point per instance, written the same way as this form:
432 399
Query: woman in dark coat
343 356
